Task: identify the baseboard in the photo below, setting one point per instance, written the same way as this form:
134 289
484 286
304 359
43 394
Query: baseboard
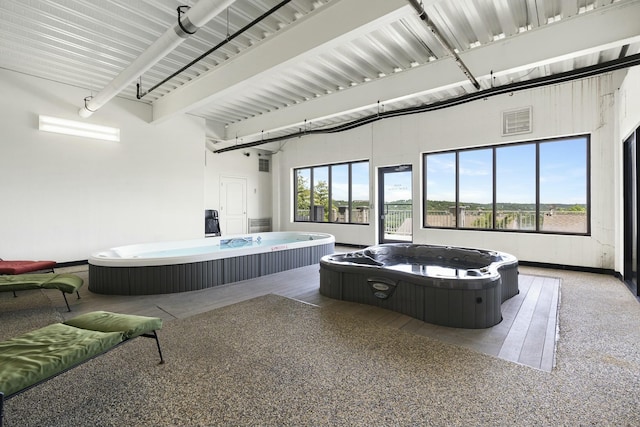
72 263
351 245
583 269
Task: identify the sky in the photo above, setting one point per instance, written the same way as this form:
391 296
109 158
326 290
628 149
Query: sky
563 174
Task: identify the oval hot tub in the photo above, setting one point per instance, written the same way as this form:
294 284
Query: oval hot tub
443 285
187 265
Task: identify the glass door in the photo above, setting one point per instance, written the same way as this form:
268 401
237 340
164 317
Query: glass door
395 204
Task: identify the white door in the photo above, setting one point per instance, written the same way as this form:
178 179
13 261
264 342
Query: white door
233 205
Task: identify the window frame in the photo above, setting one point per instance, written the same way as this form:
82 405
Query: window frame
494 203
330 188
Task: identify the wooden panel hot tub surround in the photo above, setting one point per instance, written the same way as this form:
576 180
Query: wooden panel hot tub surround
162 279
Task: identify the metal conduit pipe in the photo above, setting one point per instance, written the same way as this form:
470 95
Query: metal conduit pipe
188 24
417 5
213 49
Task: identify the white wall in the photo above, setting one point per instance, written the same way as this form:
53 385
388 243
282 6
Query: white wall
237 164
63 197
581 107
317 150
629 103
628 115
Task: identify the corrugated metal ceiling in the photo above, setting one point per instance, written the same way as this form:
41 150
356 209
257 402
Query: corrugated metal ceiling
86 43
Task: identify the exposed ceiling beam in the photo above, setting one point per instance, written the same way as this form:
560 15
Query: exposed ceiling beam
276 143
580 35
328 27
539 47
437 75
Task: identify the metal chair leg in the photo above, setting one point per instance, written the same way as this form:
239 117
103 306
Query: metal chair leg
155 335
66 302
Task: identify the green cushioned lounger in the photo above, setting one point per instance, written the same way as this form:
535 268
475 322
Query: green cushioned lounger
37 356
66 283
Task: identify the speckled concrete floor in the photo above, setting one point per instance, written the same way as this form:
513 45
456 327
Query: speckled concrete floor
275 361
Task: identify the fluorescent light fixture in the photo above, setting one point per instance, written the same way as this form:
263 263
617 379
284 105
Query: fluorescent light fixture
72 127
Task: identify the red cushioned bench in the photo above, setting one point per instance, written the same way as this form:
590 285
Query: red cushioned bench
21 267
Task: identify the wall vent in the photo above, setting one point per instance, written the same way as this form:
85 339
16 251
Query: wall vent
516 121
259 225
263 165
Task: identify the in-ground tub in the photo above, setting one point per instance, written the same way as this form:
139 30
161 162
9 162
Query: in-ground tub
180 266
443 285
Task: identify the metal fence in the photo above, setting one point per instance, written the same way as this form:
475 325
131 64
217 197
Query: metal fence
570 222
397 219
357 215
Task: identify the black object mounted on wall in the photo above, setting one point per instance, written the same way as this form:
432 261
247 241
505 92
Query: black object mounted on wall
211 223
